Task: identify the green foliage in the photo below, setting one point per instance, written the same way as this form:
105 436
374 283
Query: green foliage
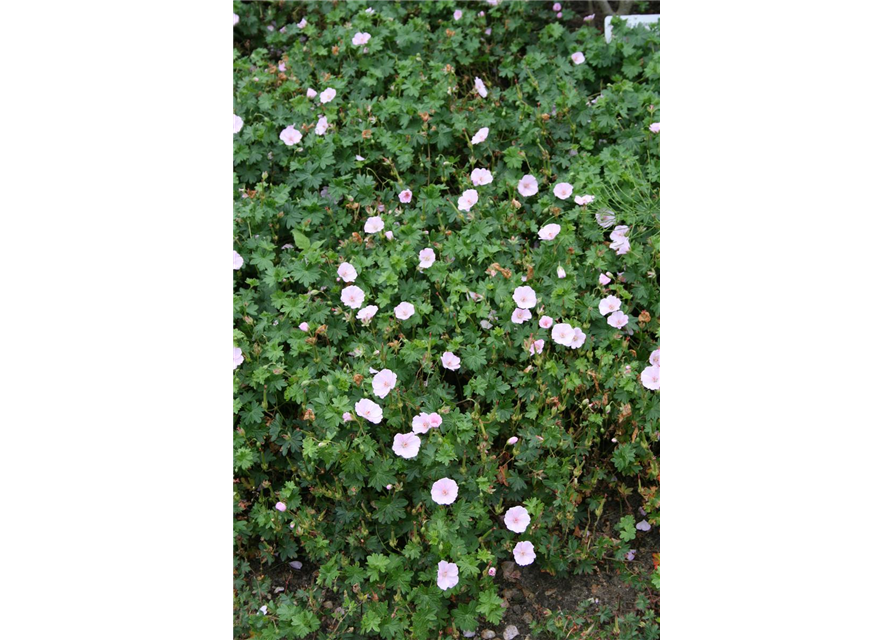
359 517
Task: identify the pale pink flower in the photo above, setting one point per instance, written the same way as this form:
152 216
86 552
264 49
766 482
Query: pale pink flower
282 64
481 176
369 410
383 382
589 18
523 553
405 196
389 235
280 506
302 23
389 487
516 519
556 6
643 525
304 327
327 96
235 19
605 218
481 135
578 339
561 272
404 310
563 334
238 358
359 158
435 420
520 316
467 200
651 378
373 225
237 260
367 313
290 135
406 445
311 93
578 57
450 361
426 258
347 272
512 440
422 423
546 322
322 126
346 417
558 15
445 491
491 571
654 358
618 319
476 297
537 346
608 305
447 572
457 14
488 31
549 231
360 38
619 232
527 185
654 127
480 87
353 297
524 297
582 200
237 122
604 278
563 190
621 245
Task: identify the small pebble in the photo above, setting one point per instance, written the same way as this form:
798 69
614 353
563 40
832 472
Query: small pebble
487 634
527 617
510 632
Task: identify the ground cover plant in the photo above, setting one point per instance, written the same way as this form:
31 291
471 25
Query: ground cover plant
446 311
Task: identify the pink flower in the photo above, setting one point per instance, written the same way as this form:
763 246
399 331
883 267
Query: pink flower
604 279
389 235
563 190
654 127
322 126
512 440
546 322
549 231
280 506
360 38
468 199
238 358
491 571
578 339
235 19
589 18
523 553
346 416
425 421
447 572
290 135
621 245
609 304
369 410
367 313
558 15
353 297
488 31
644 525
651 378
406 445
556 6
405 196
383 382
527 185
605 218
237 122
619 232
578 57
404 310
524 297
654 358
561 272
426 258
347 272
302 23
450 361
327 96
237 260
373 225
563 334
481 176
517 519
520 316
618 319
359 158
282 64
480 88
445 491
304 327
389 487
311 93
537 346
457 14
583 200
481 135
